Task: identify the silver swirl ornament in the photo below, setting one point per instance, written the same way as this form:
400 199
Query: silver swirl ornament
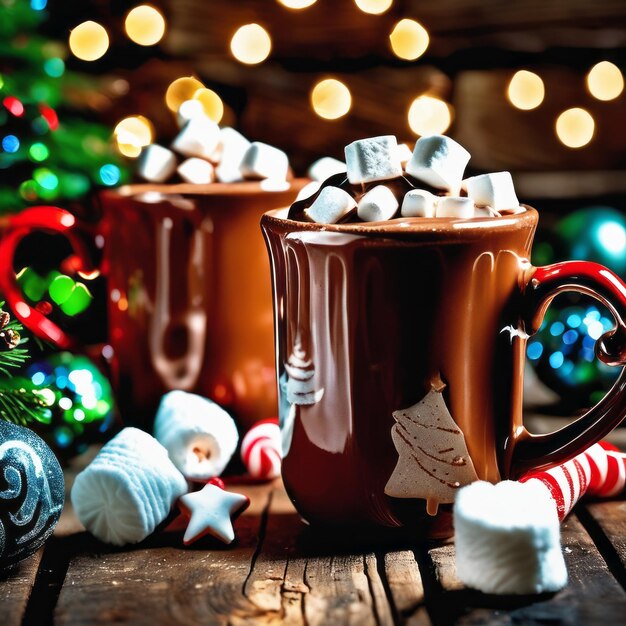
32 493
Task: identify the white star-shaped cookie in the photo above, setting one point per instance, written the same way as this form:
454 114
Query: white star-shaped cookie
209 511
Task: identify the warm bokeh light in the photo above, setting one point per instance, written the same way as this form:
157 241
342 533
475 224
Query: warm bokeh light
180 90
409 39
575 127
251 44
297 4
132 134
429 116
89 41
211 103
526 90
145 25
605 81
331 99
376 7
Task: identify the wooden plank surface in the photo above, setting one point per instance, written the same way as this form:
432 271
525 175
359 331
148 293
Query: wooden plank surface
282 572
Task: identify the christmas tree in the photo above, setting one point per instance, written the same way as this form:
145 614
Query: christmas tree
433 460
48 154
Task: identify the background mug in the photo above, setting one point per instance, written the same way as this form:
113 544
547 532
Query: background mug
400 355
189 297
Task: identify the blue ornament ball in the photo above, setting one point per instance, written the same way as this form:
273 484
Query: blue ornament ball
32 493
79 399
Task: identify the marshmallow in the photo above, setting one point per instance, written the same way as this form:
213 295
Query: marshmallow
156 163
326 167
373 159
377 205
507 538
261 450
404 154
232 147
128 489
308 190
495 190
264 161
198 434
485 211
439 161
330 206
188 110
419 203
196 171
198 138
452 206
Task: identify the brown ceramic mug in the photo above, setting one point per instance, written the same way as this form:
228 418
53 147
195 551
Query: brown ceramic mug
189 297
400 355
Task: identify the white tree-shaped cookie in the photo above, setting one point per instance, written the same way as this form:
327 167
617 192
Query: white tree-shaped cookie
433 460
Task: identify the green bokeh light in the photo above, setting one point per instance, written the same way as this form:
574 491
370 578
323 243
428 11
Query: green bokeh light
39 152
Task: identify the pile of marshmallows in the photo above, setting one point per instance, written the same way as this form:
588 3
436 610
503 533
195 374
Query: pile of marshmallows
136 479
212 154
437 161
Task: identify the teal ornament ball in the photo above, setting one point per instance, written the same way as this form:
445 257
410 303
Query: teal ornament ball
79 398
32 493
597 234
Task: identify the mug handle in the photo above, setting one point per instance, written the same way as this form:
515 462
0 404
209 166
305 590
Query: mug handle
14 228
539 287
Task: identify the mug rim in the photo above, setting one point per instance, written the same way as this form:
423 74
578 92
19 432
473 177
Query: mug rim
413 227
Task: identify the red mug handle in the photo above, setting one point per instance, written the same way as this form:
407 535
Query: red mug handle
539 287
14 228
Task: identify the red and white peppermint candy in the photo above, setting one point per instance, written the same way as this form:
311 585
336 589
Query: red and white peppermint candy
599 471
261 450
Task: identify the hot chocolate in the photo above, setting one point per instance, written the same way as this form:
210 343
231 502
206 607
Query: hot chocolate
189 295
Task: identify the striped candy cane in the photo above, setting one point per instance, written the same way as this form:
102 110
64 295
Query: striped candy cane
599 471
261 450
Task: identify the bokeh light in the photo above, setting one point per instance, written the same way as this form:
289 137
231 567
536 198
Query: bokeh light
180 90
375 7
89 41
297 4
331 99
605 81
132 134
429 116
408 39
526 90
145 25
212 104
10 144
251 44
575 127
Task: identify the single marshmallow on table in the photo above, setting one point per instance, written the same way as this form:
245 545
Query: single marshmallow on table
330 206
439 161
453 206
264 161
495 190
308 190
128 489
507 539
419 203
198 434
188 110
404 154
377 205
196 171
229 153
156 163
198 138
324 168
373 159
261 450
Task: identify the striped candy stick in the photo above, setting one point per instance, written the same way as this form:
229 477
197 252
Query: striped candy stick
599 471
261 450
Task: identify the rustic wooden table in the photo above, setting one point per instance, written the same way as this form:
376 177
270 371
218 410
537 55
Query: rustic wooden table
279 571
